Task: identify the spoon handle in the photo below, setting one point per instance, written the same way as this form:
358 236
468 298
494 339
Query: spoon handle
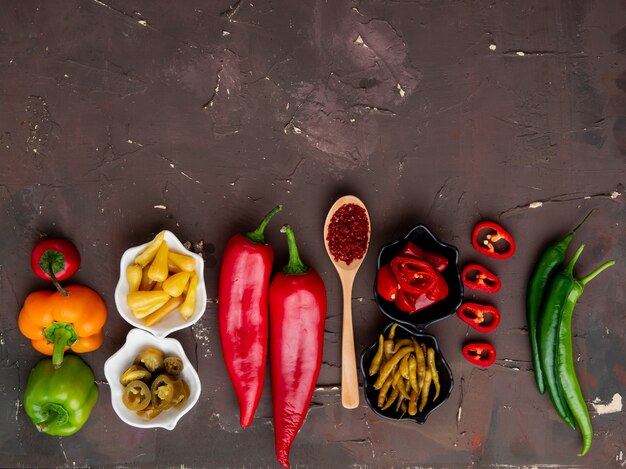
349 380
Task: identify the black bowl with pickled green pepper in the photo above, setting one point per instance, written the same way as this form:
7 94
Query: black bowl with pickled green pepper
423 238
403 335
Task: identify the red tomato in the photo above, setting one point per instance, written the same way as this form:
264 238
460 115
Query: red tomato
55 256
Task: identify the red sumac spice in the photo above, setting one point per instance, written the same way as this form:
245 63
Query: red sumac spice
348 233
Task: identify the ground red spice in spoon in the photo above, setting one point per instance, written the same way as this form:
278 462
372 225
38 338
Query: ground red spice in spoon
348 233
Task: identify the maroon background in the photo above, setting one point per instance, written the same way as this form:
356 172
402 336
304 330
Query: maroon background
424 109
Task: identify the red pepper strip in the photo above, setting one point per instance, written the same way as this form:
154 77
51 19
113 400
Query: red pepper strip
476 277
492 240
297 314
413 275
412 250
436 260
243 314
439 290
483 318
412 303
480 354
386 283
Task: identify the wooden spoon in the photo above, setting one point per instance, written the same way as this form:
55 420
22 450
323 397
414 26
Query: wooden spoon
349 380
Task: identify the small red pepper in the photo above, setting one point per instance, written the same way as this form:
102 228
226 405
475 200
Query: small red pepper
414 276
439 289
242 313
56 260
492 240
476 277
386 283
483 318
480 354
297 312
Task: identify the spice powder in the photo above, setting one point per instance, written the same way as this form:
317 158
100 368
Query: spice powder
348 233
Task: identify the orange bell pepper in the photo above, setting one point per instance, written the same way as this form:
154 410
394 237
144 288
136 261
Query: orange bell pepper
55 323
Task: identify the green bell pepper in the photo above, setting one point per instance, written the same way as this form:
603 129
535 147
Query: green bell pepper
59 400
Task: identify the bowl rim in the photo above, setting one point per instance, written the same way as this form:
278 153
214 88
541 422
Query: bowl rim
415 324
418 418
121 288
133 339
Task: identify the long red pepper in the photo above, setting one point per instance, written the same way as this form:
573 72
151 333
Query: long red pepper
243 313
297 314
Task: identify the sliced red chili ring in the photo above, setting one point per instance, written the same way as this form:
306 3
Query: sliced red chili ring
480 354
483 318
414 276
405 301
477 277
492 240
438 261
386 283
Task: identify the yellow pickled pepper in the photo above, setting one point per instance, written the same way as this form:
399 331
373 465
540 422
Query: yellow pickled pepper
158 269
175 284
189 305
186 263
133 276
143 303
163 311
148 254
146 283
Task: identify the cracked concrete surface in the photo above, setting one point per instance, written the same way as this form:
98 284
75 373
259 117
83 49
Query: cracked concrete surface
122 118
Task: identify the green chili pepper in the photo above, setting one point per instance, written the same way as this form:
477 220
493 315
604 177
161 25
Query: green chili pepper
59 400
565 359
547 266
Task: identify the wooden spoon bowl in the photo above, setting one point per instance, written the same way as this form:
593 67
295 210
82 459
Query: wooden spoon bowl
347 273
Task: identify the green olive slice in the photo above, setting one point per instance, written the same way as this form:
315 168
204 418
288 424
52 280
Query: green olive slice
136 395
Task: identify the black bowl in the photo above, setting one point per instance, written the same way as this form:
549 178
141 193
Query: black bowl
422 237
445 377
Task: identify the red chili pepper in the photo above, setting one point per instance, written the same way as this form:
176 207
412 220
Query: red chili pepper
436 260
386 283
412 303
480 354
483 318
297 314
414 276
477 277
56 260
492 240
243 313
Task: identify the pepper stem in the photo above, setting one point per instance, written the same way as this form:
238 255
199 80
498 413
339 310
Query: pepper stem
258 234
52 262
570 267
61 334
295 266
583 281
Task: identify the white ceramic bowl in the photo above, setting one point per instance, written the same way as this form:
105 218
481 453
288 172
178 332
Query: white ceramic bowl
136 341
173 321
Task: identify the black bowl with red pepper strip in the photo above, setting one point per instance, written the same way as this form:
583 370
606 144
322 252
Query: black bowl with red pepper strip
384 397
428 276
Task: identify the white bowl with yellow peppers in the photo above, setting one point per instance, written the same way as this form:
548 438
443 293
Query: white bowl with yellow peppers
161 287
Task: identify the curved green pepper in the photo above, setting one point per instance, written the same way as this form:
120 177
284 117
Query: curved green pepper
59 400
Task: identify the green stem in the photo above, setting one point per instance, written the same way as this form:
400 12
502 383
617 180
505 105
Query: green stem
258 234
61 334
570 267
295 266
51 262
583 281
58 286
